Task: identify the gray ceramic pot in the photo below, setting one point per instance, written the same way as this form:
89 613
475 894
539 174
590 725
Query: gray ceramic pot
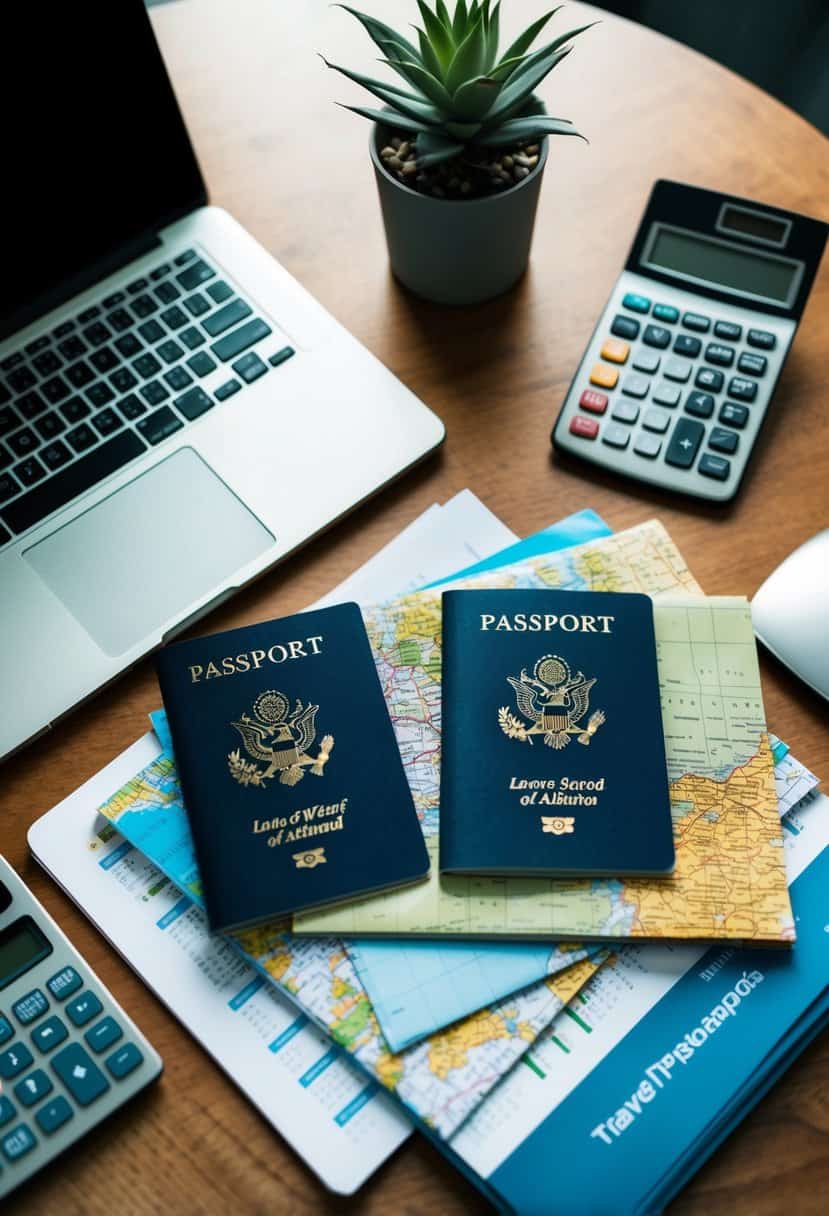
456 251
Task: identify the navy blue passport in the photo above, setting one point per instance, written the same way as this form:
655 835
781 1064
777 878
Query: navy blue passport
289 767
553 755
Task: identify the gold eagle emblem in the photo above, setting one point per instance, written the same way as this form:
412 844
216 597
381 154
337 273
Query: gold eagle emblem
280 740
553 701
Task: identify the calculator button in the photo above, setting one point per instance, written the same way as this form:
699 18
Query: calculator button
625 327
64 983
32 1088
728 330
684 443
734 415
604 376
646 361
6 1029
636 303
83 1009
595 403
616 436
615 350
104 1034
625 411
723 356
18 1142
6 1110
124 1060
635 386
695 320
761 338
585 428
666 313
656 335
656 420
677 369
722 440
752 365
701 405
53 1115
13 1060
666 394
647 445
30 1007
684 345
80 1074
714 466
710 378
742 389
49 1033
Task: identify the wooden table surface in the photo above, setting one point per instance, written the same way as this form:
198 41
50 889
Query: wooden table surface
294 169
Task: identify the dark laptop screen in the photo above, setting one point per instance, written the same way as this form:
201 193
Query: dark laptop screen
94 151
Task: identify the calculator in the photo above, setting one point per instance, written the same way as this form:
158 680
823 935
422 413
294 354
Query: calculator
69 1055
681 368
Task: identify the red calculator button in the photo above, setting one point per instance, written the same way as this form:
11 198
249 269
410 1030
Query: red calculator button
587 428
595 402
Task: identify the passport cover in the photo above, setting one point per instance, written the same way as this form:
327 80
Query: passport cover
290 771
553 750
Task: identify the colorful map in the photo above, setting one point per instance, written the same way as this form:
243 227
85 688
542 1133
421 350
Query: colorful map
729 880
441 1079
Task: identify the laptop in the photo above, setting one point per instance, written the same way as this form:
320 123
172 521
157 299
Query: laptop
177 413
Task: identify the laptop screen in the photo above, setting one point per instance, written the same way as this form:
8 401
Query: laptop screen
94 150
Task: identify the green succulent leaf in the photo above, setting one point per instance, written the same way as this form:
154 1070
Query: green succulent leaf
387 119
439 37
379 32
474 99
531 60
469 58
425 81
433 148
463 130
442 14
459 22
429 56
533 127
391 95
524 41
493 23
516 92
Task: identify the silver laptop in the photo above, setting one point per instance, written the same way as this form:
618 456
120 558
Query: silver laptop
176 413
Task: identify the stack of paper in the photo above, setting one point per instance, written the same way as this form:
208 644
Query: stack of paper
441 1024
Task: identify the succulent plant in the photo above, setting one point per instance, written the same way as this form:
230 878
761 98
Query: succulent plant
459 91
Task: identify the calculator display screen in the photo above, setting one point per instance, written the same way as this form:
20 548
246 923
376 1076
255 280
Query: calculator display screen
22 944
713 262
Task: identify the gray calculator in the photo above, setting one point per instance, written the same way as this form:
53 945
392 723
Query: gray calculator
69 1055
680 371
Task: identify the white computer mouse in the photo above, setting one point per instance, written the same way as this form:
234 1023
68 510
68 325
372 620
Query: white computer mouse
790 612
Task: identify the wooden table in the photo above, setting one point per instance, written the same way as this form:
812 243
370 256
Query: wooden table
294 169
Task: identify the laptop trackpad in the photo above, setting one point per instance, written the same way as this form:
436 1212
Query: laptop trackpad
136 561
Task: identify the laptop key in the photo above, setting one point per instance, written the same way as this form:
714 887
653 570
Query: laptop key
29 471
123 380
144 306
81 437
173 317
8 487
128 345
31 348
62 487
47 363
115 298
9 420
231 314
119 320
11 361
250 367
49 426
201 364
167 292
169 351
159 425
106 421
198 272
151 332
89 314
227 389
75 409
31 404
80 374
137 285
197 304
55 390
99 394
184 258
55 454
220 291
72 348
146 366
5 395
193 403
178 378
104 359
191 337
21 378
240 339
5 457
63 329
160 271
154 392
97 333
131 407
281 355
23 442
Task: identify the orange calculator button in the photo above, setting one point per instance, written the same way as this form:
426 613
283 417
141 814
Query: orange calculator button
604 376
615 350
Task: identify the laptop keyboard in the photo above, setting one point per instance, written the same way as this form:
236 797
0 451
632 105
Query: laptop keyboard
97 392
